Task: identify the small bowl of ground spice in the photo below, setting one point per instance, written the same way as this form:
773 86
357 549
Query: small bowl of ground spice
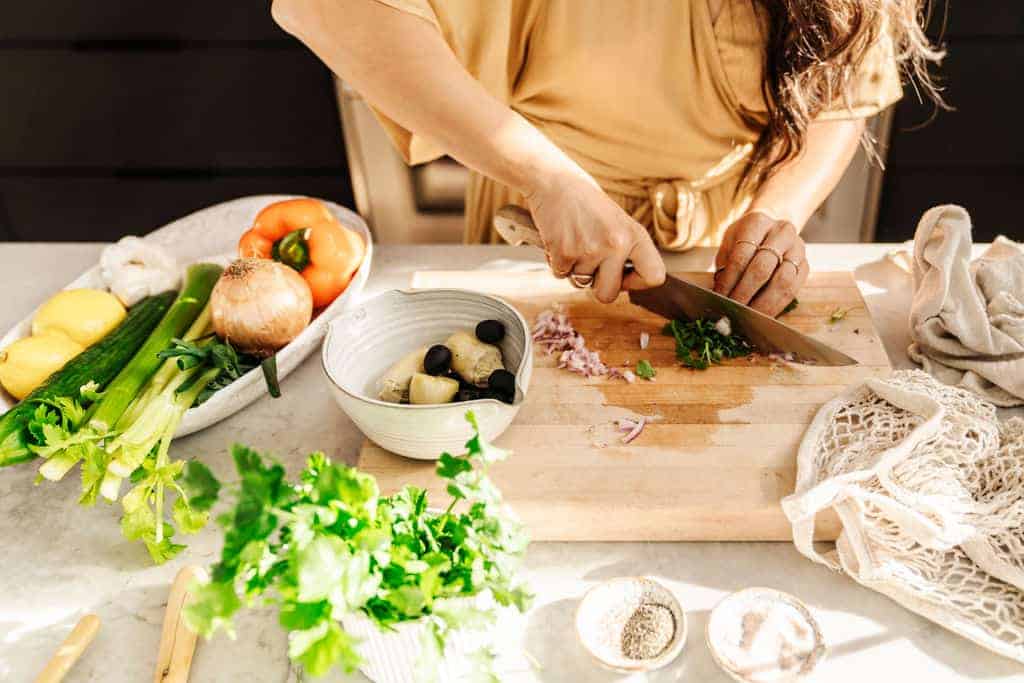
631 624
760 635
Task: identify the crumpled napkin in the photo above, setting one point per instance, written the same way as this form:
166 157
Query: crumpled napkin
967 317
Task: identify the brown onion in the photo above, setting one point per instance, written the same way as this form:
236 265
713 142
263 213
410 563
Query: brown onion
259 305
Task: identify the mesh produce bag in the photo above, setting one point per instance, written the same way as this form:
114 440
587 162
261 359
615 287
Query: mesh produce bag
929 487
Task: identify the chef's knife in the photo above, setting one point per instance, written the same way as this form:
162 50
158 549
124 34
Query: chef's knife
678 298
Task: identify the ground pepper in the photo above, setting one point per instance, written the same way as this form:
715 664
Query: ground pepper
648 631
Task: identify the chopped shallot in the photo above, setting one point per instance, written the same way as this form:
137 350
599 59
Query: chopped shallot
645 339
632 428
553 331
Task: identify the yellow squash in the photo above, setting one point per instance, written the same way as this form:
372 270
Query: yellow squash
82 315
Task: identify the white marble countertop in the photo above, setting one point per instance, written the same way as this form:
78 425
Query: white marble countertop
60 562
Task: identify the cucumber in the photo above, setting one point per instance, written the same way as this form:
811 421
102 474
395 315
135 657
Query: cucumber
100 363
199 281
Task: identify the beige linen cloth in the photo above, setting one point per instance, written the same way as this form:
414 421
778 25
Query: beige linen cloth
967 317
659 100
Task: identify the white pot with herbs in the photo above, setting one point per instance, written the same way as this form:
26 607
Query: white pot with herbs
398 586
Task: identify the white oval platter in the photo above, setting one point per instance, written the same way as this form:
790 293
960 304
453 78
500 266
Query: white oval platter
212 234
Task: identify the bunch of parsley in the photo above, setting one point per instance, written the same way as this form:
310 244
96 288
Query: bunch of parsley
329 545
699 345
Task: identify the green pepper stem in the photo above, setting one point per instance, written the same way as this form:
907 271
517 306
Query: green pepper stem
269 367
293 249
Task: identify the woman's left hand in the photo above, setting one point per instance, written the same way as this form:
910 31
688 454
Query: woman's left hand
762 262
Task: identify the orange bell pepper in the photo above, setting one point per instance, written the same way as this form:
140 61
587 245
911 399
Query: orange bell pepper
304 234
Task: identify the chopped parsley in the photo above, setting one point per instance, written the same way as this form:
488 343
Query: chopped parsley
645 369
838 315
699 345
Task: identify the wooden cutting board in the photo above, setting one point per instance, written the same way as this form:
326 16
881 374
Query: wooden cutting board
714 464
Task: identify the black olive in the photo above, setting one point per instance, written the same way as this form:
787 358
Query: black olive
490 331
505 398
437 360
503 384
469 392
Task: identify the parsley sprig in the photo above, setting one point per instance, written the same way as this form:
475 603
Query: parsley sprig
645 370
699 345
330 545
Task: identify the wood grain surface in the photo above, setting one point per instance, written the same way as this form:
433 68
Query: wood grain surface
719 453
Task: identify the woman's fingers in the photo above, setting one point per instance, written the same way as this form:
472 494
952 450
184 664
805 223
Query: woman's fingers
762 265
608 281
743 238
648 266
560 260
785 282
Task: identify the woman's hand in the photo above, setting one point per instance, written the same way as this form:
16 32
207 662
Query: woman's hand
586 233
762 262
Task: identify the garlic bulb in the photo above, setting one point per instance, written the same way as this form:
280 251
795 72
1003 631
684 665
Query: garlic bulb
133 269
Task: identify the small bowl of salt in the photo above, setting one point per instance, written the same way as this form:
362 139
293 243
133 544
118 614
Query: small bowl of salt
760 635
631 624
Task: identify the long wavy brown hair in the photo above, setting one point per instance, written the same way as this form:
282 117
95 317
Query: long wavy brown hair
815 47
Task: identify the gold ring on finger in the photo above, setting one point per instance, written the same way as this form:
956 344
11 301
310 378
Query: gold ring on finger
795 264
751 243
778 254
581 281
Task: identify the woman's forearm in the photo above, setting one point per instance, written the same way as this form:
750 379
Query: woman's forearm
400 63
798 188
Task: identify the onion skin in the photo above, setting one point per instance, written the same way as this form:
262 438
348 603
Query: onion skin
259 306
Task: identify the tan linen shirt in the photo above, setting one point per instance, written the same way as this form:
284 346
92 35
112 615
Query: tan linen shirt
657 100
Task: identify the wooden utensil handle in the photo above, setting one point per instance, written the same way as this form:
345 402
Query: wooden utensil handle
70 650
177 641
516 226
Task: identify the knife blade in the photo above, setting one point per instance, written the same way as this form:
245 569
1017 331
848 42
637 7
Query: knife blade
679 298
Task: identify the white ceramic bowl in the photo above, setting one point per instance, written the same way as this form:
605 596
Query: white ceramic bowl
606 607
364 342
724 620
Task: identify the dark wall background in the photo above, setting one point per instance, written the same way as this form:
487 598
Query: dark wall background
973 156
117 117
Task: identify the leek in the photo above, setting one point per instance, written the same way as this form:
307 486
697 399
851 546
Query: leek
199 281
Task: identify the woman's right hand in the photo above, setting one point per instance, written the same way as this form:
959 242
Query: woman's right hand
586 233
414 81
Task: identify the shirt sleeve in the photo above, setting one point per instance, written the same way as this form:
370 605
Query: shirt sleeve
874 87
414 149
419 8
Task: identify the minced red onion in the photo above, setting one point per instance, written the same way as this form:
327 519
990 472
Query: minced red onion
632 428
553 331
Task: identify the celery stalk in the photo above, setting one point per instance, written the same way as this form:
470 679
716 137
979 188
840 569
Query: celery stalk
130 447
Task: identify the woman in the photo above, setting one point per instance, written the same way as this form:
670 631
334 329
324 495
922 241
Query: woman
622 125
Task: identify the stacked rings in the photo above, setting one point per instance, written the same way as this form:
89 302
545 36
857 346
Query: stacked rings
779 256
